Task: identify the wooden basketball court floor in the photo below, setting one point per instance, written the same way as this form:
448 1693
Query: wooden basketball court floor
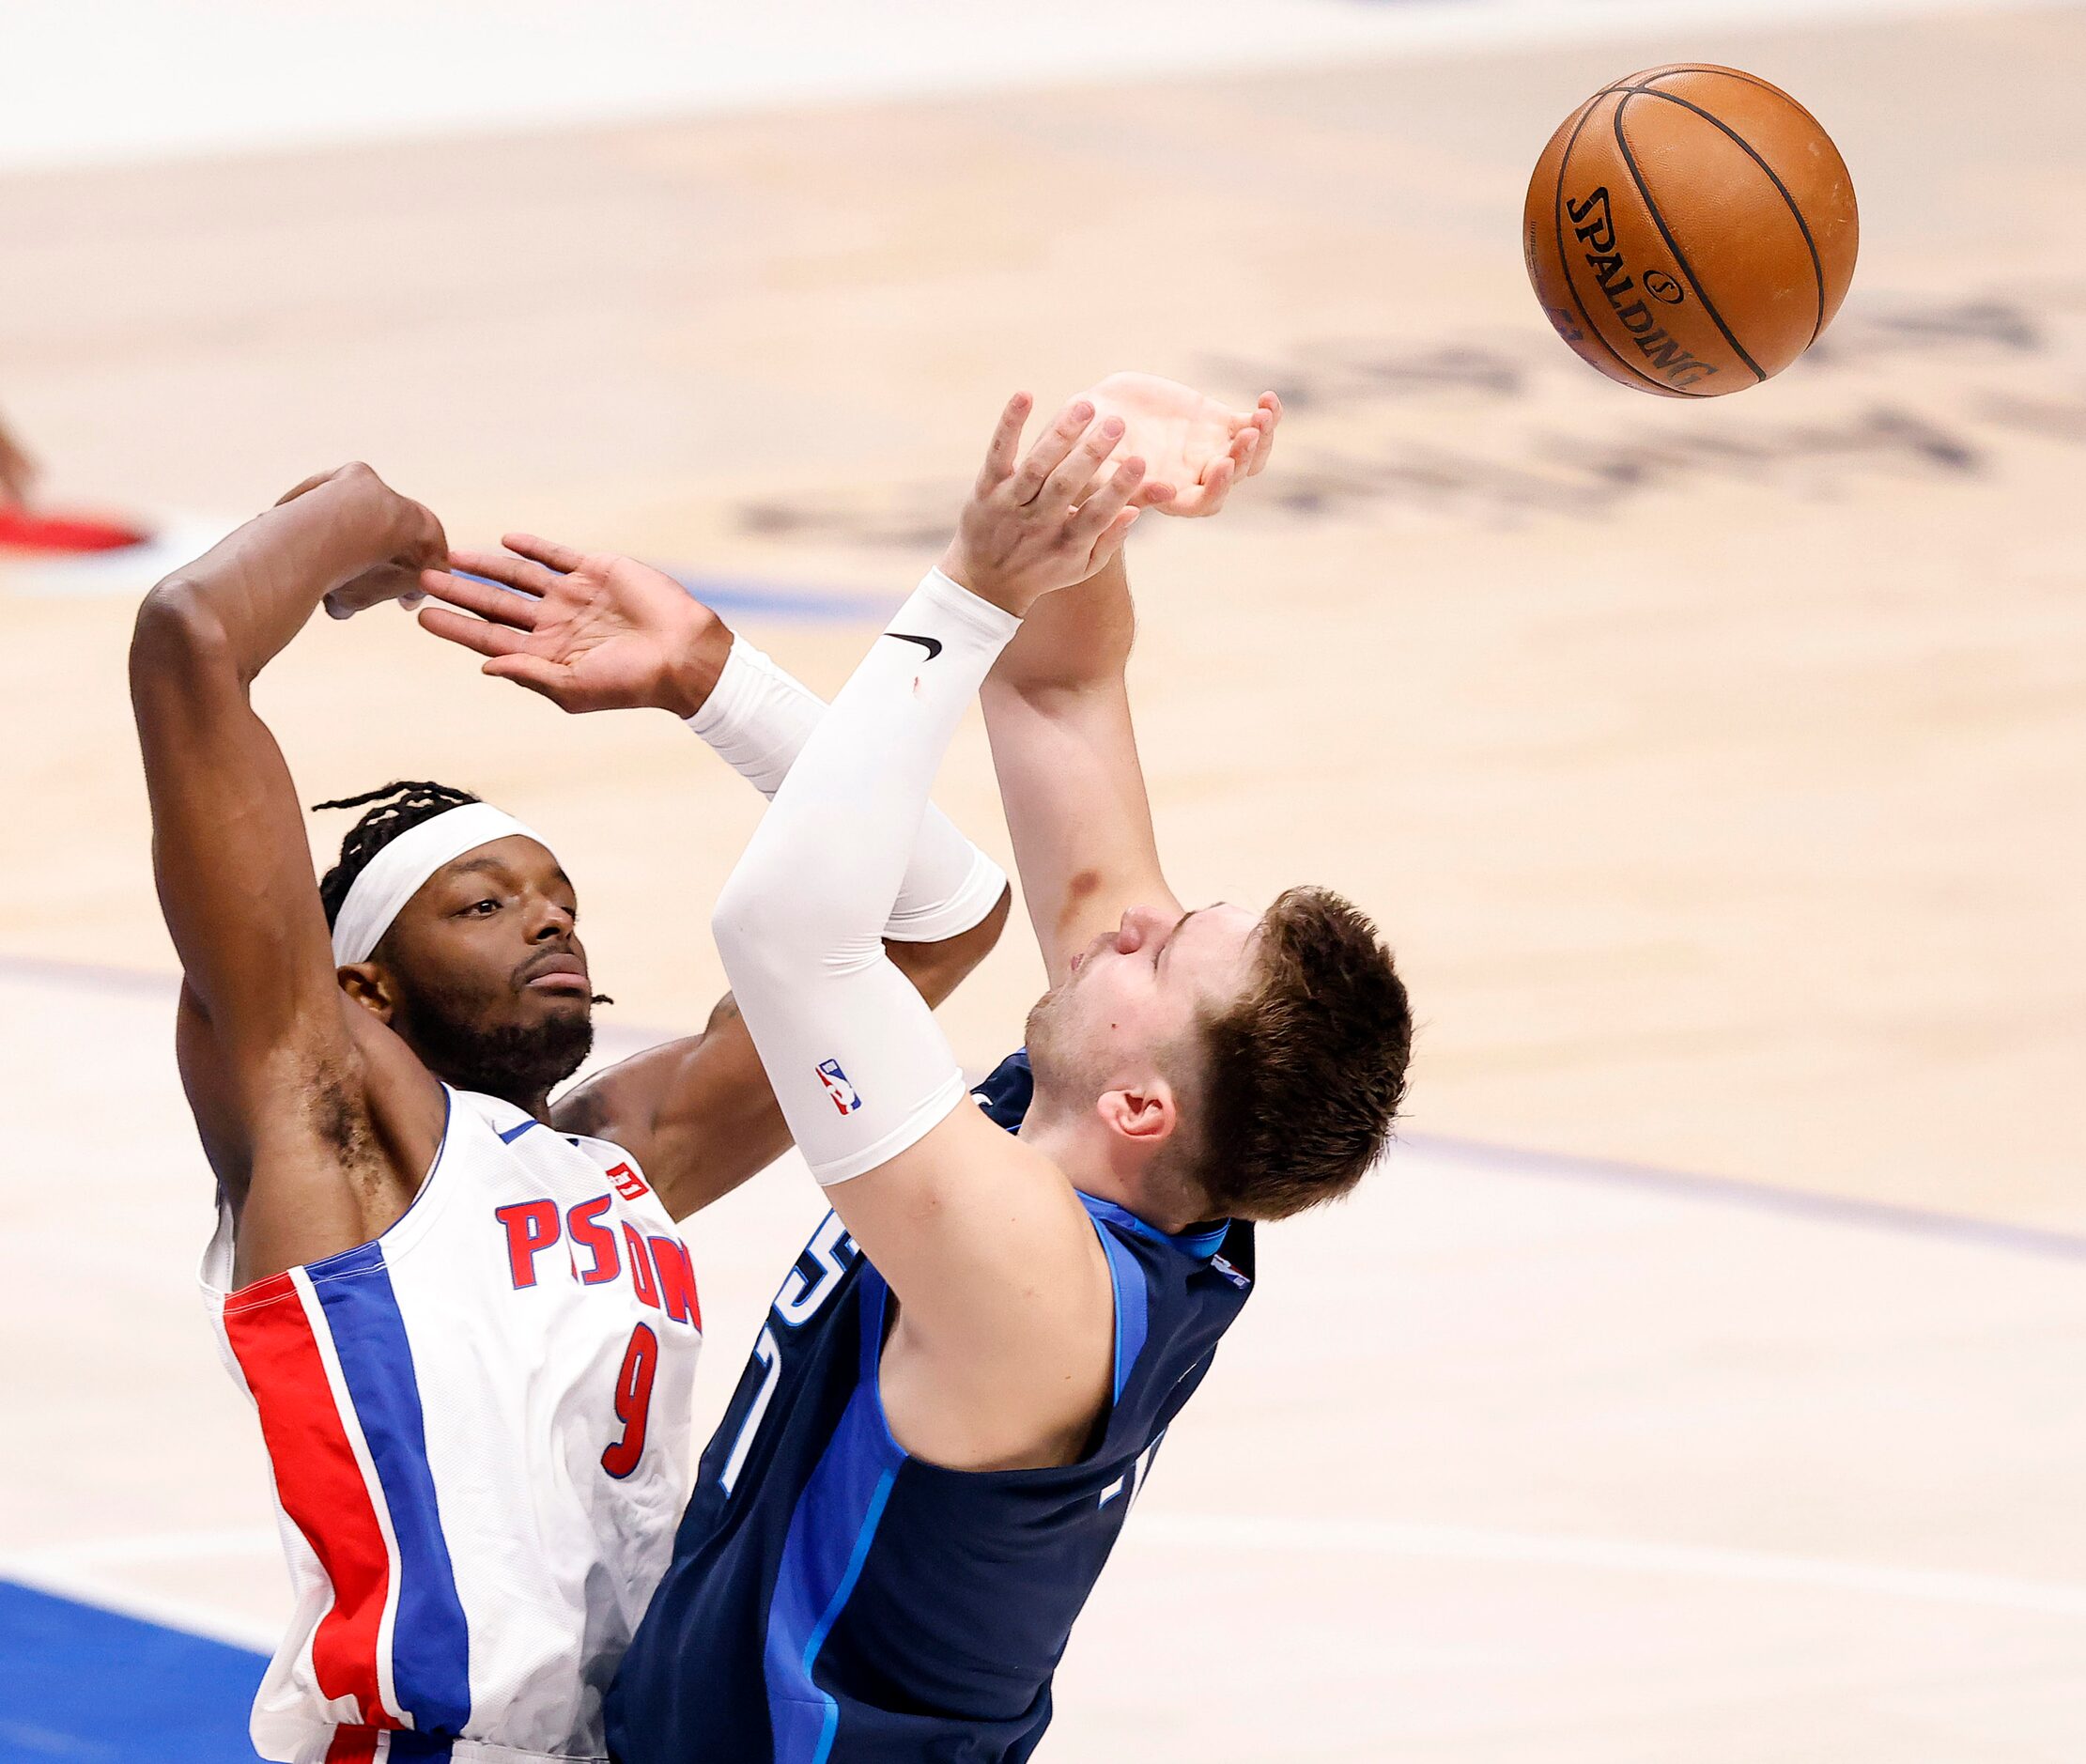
1705 1377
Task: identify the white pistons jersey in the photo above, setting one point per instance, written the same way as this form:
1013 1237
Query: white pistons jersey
478 1427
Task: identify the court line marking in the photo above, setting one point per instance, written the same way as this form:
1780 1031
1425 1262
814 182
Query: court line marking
70 1571
130 571
1963 1230
1628 1556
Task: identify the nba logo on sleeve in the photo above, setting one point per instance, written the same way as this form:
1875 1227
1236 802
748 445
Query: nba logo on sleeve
628 1183
837 1087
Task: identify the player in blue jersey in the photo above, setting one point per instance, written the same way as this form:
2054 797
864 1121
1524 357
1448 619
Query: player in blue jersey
967 1372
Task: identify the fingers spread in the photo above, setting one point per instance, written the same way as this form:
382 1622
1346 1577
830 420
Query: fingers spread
1074 477
1049 451
1005 446
519 574
561 558
1107 503
477 634
505 606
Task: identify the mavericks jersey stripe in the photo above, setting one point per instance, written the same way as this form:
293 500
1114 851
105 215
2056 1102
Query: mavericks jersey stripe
822 1553
369 1514
834 1601
1127 1280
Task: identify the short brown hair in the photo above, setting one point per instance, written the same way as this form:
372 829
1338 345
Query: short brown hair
1303 1076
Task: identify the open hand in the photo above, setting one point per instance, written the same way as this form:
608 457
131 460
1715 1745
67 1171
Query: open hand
1042 522
590 631
1200 447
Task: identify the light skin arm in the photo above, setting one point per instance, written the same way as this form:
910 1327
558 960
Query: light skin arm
1058 707
315 1117
594 631
1058 715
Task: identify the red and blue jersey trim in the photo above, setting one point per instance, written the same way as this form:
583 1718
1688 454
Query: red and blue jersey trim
370 1515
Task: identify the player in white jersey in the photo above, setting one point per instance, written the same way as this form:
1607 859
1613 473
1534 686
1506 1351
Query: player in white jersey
463 1312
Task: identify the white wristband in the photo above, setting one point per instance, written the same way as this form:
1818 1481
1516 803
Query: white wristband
757 717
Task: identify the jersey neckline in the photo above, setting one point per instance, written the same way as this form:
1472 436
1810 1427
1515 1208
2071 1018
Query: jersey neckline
1198 1241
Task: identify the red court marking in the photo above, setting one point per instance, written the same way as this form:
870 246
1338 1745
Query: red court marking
23 530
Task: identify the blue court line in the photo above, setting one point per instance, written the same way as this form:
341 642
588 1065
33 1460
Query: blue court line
764 600
1888 1215
1739 1191
83 1685
745 597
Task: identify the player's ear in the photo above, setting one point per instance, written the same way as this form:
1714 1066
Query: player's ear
369 986
1146 1116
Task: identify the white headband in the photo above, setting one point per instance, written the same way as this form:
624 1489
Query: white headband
395 874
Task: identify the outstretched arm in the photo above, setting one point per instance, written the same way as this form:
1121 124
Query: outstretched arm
280 1075
700 1114
1005 1319
595 632
1056 707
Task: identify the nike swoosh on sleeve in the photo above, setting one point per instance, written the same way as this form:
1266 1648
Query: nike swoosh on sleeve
933 645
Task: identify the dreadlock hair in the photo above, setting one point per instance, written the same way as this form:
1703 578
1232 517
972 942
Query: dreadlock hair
401 804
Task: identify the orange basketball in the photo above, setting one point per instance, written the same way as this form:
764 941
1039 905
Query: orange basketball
1691 230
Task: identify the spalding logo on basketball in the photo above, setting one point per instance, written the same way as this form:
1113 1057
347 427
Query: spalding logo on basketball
1691 230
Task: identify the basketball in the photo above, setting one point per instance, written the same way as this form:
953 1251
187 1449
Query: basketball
1691 230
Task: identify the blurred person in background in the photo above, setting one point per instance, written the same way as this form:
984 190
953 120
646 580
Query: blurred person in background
18 471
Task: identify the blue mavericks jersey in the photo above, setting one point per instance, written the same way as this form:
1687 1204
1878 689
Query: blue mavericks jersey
833 1600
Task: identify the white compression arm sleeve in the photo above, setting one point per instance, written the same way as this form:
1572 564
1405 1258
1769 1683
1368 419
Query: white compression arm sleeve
757 719
858 1063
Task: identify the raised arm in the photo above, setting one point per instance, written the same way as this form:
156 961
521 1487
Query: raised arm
599 632
1000 1355
276 1071
699 1112
1057 705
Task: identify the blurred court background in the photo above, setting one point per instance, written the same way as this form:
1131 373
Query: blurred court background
1704 1378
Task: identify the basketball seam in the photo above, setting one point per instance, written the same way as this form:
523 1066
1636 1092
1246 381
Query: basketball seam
1810 244
1665 232
1564 263
1671 73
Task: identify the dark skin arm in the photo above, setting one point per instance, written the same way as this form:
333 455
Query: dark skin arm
601 632
316 1119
